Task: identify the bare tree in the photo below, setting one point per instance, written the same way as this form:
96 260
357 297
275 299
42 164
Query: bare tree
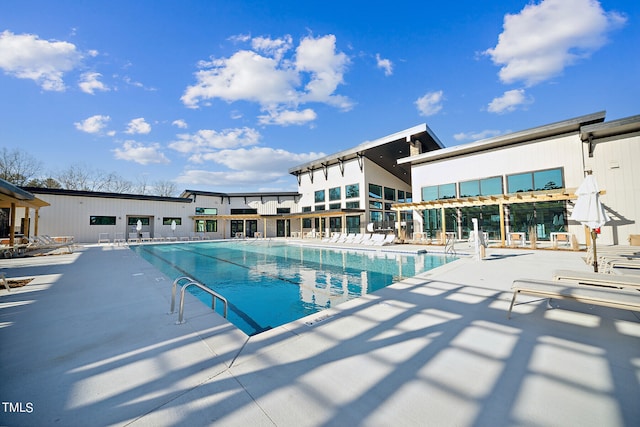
164 188
114 183
18 167
76 177
142 187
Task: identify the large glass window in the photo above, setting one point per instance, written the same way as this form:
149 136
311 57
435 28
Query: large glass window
353 224
167 220
206 211
284 210
133 220
437 192
376 216
352 191
320 207
244 211
334 193
306 209
491 186
352 205
548 179
334 205
535 181
481 187
400 196
389 193
319 196
470 188
375 205
520 182
206 225
375 191
102 220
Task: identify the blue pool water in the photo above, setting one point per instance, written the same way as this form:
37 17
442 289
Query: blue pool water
269 284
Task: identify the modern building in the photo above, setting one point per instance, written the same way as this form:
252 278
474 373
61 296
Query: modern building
521 184
525 182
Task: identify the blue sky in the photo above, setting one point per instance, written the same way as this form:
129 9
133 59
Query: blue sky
227 95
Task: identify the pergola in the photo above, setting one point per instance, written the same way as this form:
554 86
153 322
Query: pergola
13 197
500 199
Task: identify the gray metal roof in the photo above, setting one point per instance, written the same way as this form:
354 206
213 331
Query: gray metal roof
14 191
553 129
384 151
612 128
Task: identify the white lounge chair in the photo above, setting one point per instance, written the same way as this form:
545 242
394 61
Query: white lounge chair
146 237
133 238
119 239
616 298
587 278
103 238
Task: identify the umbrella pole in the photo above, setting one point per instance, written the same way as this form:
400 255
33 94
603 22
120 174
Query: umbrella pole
595 255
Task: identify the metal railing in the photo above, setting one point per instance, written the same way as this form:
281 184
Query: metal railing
190 282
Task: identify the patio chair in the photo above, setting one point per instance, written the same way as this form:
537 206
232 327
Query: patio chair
146 237
103 238
133 238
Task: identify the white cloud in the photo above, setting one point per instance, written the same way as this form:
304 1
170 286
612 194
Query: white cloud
207 140
264 159
93 124
267 76
318 56
180 123
138 126
288 117
385 64
89 83
544 38
248 167
244 76
509 101
476 136
225 179
430 103
26 56
275 48
143 154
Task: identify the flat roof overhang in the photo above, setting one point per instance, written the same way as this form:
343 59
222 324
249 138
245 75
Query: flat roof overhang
547 131
383 151
528 197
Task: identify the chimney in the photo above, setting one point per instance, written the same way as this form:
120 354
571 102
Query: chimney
415 146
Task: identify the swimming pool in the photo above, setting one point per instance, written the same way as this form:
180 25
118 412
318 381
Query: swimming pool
268 284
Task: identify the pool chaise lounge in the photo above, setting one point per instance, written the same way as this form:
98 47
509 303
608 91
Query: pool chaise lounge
608 297
586 278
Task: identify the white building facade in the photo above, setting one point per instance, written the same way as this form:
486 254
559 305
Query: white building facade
405 183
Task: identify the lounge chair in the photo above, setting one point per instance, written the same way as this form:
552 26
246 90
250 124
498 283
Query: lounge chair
119 239
616 298
133 238
157 237
146 237
586 278
103 238
629 262
376 240
46 242
365 238
388 239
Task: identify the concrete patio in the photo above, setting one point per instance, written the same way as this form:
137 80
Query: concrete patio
89 342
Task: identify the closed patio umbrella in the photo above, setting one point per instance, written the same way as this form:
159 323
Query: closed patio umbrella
589 211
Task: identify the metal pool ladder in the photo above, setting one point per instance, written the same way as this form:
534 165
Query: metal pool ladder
191 282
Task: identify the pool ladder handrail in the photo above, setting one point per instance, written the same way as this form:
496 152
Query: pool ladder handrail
215 296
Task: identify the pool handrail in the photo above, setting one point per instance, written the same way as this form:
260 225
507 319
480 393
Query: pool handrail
173 291
215 296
